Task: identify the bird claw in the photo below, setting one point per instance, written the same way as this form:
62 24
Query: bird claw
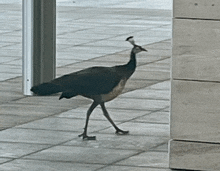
121 132
85 137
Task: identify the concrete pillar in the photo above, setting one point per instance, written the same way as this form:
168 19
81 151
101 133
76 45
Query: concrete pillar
195 87
39 42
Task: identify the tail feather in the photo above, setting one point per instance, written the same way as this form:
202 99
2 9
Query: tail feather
46 89
68 94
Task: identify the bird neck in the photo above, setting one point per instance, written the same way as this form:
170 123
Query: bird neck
131 65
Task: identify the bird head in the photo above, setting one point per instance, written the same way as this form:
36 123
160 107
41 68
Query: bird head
136 49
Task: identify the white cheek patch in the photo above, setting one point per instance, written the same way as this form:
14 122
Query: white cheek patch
137 50
131 40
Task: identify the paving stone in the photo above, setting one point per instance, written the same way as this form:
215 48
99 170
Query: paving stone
127 142
64 124
133 84
148 94
10 69
155 117
29 110
3 160
46 101
8 121
119 115
35 136
153 159
128 168
161 148
144 129
165 85
6 59
14 150
140 104
82 154
36 165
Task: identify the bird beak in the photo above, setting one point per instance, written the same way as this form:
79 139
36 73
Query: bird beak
143 49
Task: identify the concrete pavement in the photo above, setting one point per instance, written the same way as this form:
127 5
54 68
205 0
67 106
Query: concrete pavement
41 133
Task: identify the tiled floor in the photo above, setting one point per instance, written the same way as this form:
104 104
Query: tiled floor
41 133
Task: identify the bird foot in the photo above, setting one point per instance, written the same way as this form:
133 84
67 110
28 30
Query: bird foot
121 132
85 137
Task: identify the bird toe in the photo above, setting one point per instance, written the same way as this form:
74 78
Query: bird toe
121 132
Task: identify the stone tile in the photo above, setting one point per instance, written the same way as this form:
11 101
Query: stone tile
6 59
82 154
153 159
36 136
17 62
165 85
133 84
155 66
184 9
53 101
160 45
156 33
8 121
81 56
144 129
15 150
64 124
195 111
7 96
67 41
86 35
90 63
189 57
7 76
123 58
3 160
128 168
63 70
137 104
36 165
119 115
151 75
88 50
10 86
126 142
155 117
64 62
12 39
148 94
194 155
29 110
10 69
161 148
114 58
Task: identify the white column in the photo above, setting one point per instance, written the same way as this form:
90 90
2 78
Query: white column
195 86
27 46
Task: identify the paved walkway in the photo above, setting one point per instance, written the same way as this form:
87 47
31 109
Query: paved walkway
40 133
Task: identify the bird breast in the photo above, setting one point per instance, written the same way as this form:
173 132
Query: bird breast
115 92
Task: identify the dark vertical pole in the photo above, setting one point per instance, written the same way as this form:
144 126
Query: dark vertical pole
43 43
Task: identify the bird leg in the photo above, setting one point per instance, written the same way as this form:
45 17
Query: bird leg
105 112
84 134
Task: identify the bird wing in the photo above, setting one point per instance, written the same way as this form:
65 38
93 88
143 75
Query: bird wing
90 81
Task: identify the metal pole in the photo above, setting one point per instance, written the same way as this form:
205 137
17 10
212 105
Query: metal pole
39 42
27 45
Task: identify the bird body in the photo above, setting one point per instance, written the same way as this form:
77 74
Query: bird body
101 84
